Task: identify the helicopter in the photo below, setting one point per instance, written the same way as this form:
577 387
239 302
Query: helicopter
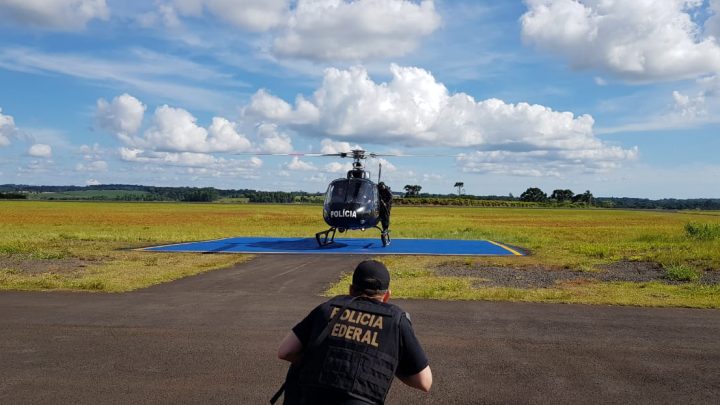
355 202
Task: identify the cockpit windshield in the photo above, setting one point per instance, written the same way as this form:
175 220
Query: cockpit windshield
351 190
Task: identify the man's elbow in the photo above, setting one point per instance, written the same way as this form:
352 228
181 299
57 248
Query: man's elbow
292 357
283 355
289 349
426 380
421 381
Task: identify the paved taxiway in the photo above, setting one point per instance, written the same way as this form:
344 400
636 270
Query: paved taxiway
212 339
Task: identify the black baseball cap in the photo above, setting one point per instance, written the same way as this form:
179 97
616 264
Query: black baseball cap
371 275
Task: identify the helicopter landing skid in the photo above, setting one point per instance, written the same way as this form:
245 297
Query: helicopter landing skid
325 238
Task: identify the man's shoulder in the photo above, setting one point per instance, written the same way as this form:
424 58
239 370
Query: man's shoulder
392 309
404 315
340 300
337 300
334 302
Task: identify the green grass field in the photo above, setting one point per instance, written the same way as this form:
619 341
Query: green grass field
86 246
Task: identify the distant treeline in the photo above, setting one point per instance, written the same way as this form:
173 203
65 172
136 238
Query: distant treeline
465 201
667 203
13 196
125 192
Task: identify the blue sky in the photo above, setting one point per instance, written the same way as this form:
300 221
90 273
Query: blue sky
621 98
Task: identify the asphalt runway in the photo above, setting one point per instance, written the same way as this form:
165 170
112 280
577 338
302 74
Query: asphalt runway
212 338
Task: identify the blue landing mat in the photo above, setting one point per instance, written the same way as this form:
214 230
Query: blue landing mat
344 246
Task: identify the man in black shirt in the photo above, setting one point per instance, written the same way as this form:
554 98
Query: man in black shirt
347 349
385 205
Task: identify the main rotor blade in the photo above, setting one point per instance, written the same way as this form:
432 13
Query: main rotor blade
289 154
350 154
410 155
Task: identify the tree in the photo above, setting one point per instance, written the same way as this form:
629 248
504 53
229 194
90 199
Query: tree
412 190
13 196
460 186
533 194
562 195
586 198
207 194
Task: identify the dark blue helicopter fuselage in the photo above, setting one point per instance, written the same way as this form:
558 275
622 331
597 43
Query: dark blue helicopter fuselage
351 203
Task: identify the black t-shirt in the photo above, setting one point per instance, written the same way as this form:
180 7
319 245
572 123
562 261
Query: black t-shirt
385 195
412 358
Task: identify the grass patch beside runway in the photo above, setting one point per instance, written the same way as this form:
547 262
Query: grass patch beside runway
115 271
410 282
83 245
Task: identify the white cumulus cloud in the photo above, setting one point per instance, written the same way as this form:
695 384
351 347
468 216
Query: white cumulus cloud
202 162
93 166
297 164
176 130
337 167
712 25
273 140
416 110
177 159
165 14
316 30
640 41
172 129
541 163
62 15
91 153
122 116
689 107
356 30
252 15
40 150
265 104
174 138
387 167
329 146
7 128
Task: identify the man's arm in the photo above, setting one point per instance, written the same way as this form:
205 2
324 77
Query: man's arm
421 380
413 368
290 348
